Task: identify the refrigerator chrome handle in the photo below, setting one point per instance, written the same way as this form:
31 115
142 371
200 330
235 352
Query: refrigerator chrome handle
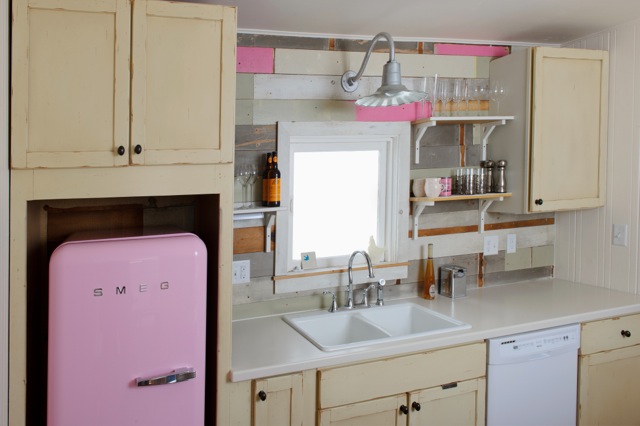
176 376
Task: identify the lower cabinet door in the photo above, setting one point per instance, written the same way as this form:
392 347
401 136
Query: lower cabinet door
377 412
609 387
278 401
456 404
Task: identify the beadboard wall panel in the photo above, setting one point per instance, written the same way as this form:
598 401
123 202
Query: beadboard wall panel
584 249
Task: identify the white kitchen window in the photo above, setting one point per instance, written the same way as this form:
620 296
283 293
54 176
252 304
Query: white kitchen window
342 182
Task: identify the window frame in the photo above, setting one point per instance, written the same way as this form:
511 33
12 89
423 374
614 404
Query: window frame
392 137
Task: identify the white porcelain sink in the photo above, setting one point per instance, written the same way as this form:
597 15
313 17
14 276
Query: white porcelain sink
366 326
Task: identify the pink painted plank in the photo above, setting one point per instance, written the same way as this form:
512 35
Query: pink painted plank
407 112
469 50
255 60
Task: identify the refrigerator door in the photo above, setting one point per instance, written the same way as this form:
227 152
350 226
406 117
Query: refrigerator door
127 331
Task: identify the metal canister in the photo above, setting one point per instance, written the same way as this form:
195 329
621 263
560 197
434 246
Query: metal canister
500 179
488 166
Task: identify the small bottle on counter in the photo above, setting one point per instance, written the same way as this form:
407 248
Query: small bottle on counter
429 290
273 183
265 177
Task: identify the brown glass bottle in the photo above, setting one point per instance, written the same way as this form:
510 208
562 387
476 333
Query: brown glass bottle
429 290
273 182
265 177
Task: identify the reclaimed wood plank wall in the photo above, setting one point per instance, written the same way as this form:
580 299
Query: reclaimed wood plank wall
281 78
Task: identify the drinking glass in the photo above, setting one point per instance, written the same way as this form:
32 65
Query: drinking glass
458 94
252 176
497 93
445 92
479 91
242 175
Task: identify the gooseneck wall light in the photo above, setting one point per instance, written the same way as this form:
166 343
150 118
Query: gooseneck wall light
392 92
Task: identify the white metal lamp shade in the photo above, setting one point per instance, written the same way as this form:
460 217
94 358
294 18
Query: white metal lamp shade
392 92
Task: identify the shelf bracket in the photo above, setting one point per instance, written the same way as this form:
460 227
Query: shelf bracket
483 205
417 211
417 137
269 219
488 129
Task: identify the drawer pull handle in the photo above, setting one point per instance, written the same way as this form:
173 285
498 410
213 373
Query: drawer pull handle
450 385
121 150
625 333
404 409
416 406
262 395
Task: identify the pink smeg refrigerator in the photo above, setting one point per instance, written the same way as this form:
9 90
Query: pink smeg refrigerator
127 331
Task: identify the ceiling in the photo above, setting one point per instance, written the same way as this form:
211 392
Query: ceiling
486 21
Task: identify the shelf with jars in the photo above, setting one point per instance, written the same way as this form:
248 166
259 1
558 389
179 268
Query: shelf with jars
489 122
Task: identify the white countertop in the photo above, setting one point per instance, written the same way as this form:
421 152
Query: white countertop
267 346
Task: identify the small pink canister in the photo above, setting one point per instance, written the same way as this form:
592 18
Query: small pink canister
446 186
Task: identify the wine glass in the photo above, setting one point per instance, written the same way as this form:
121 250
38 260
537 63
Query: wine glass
478 92
252 176
458 93
242 175
497 93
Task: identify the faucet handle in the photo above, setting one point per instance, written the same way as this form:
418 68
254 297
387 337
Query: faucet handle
381 283
365 299
334 305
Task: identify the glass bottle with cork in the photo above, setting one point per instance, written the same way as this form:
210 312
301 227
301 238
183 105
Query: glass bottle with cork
273 182
429 290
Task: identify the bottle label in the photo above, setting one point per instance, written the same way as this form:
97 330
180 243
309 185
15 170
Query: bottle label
273 190
432 291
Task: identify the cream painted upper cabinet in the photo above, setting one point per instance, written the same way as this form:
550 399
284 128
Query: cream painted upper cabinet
102 83
557 143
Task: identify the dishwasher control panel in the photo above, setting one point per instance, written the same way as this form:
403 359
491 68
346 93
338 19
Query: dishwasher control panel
537 343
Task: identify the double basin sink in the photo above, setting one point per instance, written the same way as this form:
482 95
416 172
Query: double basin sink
331 331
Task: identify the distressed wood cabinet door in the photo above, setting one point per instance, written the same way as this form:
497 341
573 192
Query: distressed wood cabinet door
458 404
569 131
556 146
98 84
70 83
609 372
278 401
382 411
183 83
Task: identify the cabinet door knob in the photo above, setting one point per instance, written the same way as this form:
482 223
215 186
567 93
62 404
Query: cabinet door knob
121 150
404 409
137 149
539 202
262 395
625 333
416 405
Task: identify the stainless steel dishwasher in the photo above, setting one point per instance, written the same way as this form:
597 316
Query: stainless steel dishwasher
532 378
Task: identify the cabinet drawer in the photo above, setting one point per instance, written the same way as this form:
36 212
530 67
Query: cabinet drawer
610 334
362 382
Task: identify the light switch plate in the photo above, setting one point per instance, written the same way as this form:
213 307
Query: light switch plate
490 245
241 272
619 237
511 243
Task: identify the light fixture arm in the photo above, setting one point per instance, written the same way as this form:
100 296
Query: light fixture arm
350 78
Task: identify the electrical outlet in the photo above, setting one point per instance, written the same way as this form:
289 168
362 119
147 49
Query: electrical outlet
511 243
241 272
490 245
619 235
